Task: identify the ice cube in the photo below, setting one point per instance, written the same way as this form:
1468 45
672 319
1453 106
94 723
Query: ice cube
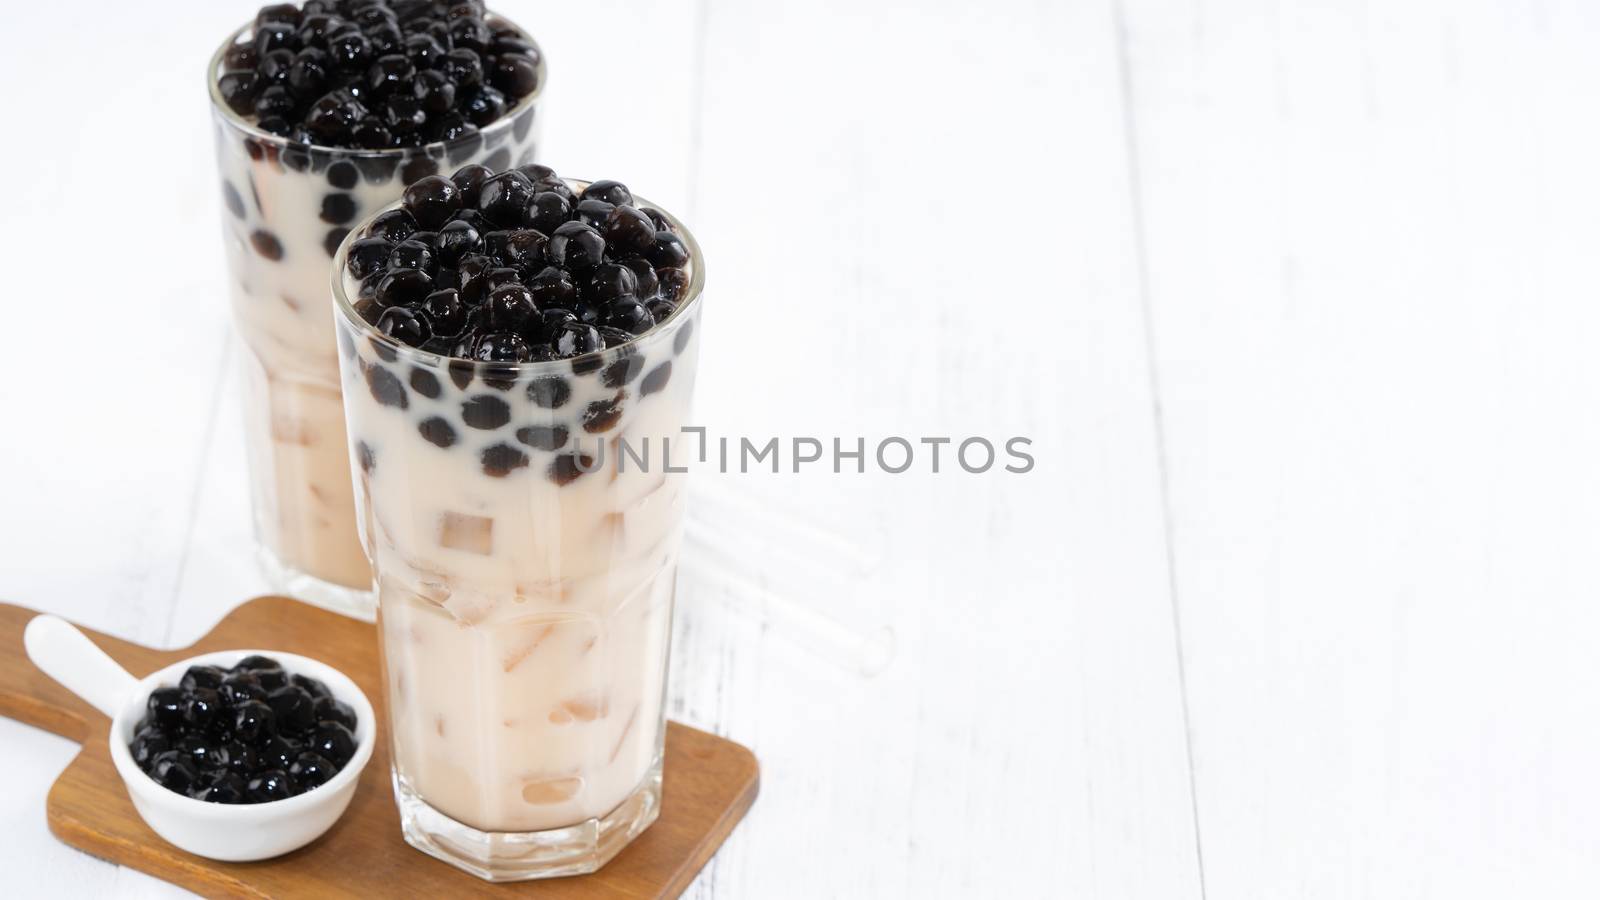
522 651
550 590
551 790
291 429
467 533
584 708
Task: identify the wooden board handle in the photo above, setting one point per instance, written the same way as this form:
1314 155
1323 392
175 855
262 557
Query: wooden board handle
28 695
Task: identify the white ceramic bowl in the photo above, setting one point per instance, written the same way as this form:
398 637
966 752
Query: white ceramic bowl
228 832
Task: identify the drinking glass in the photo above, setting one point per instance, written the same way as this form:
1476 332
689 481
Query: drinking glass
287 207
523 522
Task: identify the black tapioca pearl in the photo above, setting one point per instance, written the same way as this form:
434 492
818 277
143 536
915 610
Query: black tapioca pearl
460 373
308 74
576 339
332 240
469 181
377 169
614 192
543 437
549 391
553 287
384 350
517 76
658 217
469 33
343 175
510 308
278 14
501 378
576 247
628 315
274 70
682 339
272 36
445 310
548 210
394 225
525 251
231 199
368 256
296 157
603 415
437 432
622 372
583 365
387 73
669 251
502 347
500 460
240 56
338 208
656 380
569 467
403 287
415 252
424 48
485 412
592 211
407 326
610 282
660 310
550 322
432 200
504 197
484 106
350 51
266 244
277 125
274 103
674 284
255 195
462 66
386 388
403 115
628 232
418 167
457 239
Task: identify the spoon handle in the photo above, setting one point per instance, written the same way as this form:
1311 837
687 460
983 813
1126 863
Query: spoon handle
65 654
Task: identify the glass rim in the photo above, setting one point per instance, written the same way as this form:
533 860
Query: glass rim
220 107
346 312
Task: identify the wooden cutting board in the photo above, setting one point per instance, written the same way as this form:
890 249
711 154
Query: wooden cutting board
710 783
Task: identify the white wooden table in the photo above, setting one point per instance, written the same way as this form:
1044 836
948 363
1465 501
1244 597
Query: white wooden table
1297 302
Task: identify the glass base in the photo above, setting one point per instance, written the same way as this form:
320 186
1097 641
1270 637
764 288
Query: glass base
292 582
520 856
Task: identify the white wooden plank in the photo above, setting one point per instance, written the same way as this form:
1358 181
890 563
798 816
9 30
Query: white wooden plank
1368 231
112 356
1028 735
